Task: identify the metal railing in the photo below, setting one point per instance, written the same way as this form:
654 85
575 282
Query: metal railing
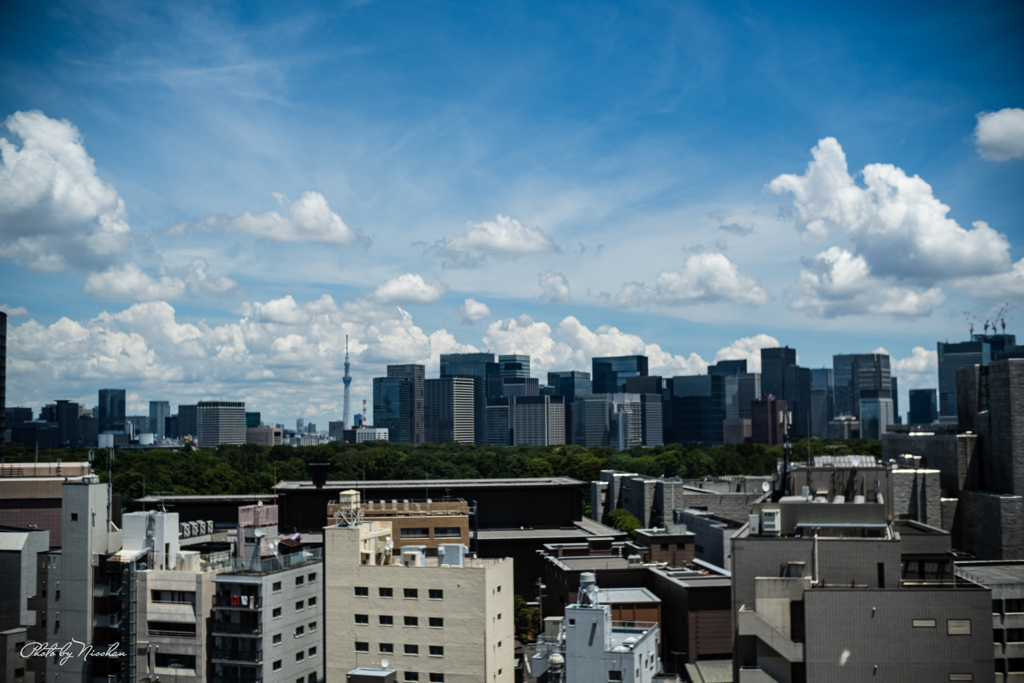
255 656
170 634
237 679
253 602
245 629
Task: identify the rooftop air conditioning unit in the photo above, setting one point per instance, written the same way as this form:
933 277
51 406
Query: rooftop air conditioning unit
771 522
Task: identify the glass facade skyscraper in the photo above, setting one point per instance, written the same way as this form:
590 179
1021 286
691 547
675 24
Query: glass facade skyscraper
952 357
610 373
393 406
924 406
111 409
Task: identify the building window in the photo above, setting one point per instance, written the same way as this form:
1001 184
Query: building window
437 651
300 605
312 577
276 587
664 546
300 631
312 652
1014 605
436 678
362 592
499 616
436 622
362 647
412 676
961 677
276 614
923 623
386 620
387 648
412 621
385 592
312 627
958 627
168 660
416 532
277 665
410 593
412 649
362 618
276 640
615 676
311 678
447 532
436 594
499 589
499 643
1015 635
311 602
74 516
299 656
299 580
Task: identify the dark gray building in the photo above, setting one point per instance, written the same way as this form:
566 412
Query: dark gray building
112 410
570 384
694 408
610 373
783 378
416 375
952 357
924 406
159 411
188 421
65 414
896 401
392 407
822 401
520 386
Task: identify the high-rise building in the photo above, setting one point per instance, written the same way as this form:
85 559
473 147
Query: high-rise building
3 382
896 402
416 375
952 357
855 373
112 410
526 420
783 378
253 420
300 426
876 414
158 412
514 365
570 384
449 409
766 420
480 365
822 401
924 406
220 422
620 420
65 414
728 368
592 419
520 386
748 389
695 408
610 373
188 421
392 407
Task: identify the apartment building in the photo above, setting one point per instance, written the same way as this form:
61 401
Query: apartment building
447 619
427 523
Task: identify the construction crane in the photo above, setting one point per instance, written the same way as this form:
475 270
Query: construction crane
999 319
347 380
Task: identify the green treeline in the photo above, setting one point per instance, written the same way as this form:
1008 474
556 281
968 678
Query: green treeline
254 469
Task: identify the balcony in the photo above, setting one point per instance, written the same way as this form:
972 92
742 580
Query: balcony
224 601
750 623
237 679
247 629
231 655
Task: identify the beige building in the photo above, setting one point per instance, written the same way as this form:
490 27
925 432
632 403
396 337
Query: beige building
445 619
265 436
427 523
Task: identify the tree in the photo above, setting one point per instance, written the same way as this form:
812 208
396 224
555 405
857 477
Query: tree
623 520
527 619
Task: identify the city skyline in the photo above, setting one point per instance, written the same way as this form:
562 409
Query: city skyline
202 204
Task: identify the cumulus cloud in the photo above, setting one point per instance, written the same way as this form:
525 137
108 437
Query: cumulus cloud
555 287
839 283
472 311
705 278
999 135
310 219
409 288
54 208
749 349
14 311
997 286
504 236
130 282
895 222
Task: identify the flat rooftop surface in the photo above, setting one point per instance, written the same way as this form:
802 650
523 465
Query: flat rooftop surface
992 573
439 484
247 498
609 596
582 530
598 562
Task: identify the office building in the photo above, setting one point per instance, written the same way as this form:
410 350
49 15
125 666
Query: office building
618 420
570 383
520 386
300 426
393 407
514 365
1001 346
264 436
450 409
220 422
728 368
336 430
253 420
422 523
188 422
480 365
783 378
767 421
924 407
526 420
896 402
749 388
416 375
854 373
37 434
17 415
610 373
822 401
371 434
65 414
446 618
952 357
3 383
695 408
844 427
159 411
737 431
1006 581
112 410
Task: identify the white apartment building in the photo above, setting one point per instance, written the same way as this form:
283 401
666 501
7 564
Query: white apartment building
445 619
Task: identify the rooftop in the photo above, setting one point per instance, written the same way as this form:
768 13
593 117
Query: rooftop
432 483
246 498
583 529
993 573
610 596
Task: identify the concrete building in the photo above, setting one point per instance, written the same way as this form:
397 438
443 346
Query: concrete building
924 407
713 534
767 424
420 523
610 373
265 436
20 549
450 410
1006 581
446 619
159 411
220 422
416 375
520 386
393 407
371 434
3 383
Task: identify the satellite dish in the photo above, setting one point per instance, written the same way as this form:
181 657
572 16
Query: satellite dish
766 487
384 663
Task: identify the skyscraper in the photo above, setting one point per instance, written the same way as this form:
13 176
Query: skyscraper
876 414
694 409
220 422
392 407
473 364
570 384
784 379
854 373
159 411
253 420
952 357
924 406
525 420
610 373
514 365
766 426
3 381
449 409
896 401
416 375
112 415
188 421
520 386
822 401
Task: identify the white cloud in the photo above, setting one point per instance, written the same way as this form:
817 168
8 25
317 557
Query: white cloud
839 283
472 311
748 348
128 281
998 286
555 287
705 278
409 288
311 220
895 222
920 362
14 311
999 135
503 236
54 208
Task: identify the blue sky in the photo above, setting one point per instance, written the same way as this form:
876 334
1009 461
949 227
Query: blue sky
608 170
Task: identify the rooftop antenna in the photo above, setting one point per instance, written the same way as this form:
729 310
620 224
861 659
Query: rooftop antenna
347 380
